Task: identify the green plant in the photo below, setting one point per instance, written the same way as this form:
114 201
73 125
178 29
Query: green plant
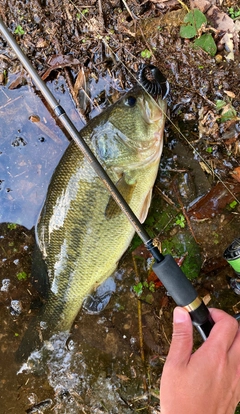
80 15
193 24
234 14
146 54
22 276
206 42
180 221
19 30
233 204
227 112
138 289
220 104
12 226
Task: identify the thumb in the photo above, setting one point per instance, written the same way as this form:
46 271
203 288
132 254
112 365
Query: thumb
182 337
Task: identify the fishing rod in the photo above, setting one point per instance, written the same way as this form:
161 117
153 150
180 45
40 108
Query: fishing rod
165 267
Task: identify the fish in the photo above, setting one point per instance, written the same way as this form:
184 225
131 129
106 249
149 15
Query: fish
81 233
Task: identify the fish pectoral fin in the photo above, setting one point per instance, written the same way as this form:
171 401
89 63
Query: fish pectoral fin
112 209
145 207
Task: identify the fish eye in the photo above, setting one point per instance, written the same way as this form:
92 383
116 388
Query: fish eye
130 101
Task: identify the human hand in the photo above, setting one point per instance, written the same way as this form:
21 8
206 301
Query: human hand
207 381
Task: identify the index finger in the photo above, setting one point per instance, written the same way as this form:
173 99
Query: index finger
224 331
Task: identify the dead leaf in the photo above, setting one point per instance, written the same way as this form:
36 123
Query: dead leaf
59 61
34 118
206 299
153 278
80 82
227 39
141 251
230 94
41 43
208 123
236 174
17 83
122 377
2 78
215 201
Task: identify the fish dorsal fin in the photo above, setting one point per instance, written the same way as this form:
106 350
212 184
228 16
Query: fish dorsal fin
145 207
112 209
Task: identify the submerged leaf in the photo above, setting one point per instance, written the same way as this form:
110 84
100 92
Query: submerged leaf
59 61
214 201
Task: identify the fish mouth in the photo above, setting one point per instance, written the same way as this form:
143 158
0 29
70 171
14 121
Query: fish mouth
151 111
149 151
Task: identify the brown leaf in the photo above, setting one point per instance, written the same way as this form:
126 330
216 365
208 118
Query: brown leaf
152 277
230 94
80 82
41 43
17 83
34 118
236 174
122 377
206 299
141 251
214 201
59 61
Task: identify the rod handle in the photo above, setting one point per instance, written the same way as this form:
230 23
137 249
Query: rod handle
184 294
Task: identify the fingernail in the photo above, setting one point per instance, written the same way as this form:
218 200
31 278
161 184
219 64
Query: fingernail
180 315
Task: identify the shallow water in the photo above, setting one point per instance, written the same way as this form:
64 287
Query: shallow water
98 369
31 146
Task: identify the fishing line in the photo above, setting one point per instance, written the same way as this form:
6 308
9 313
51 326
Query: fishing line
137 80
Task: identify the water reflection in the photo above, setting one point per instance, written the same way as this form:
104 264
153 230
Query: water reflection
31 146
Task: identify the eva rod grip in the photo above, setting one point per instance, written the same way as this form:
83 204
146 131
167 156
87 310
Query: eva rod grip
184 294
175 281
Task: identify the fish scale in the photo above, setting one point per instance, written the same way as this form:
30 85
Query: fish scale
81 232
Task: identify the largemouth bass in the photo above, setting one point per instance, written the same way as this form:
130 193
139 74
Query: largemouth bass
81 232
